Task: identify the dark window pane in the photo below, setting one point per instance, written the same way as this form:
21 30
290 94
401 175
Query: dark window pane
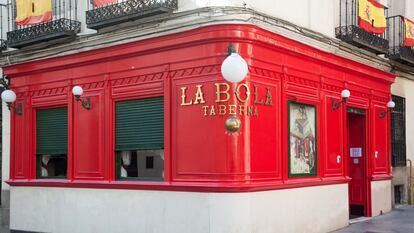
149 162
50 166
141 164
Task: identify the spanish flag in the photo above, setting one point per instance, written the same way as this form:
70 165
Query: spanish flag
31 12
371 15
409 33
102 2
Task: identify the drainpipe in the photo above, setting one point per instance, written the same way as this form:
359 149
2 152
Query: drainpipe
410 189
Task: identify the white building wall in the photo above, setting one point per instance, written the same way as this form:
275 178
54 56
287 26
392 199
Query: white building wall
321 17
381 197
312 209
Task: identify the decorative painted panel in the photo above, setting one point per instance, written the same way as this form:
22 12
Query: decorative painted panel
88 138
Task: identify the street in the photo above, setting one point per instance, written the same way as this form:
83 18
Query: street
400 220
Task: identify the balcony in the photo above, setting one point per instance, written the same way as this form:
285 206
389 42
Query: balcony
120 11
62 27
350 31
397 37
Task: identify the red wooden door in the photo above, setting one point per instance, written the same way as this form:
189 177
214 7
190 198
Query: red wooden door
356 163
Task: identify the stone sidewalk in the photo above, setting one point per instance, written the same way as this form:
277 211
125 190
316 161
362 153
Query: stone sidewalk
400 220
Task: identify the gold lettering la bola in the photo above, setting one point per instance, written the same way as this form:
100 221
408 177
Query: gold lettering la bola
223 94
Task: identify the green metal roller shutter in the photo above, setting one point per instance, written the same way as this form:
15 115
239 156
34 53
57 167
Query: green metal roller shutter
52 131
139 124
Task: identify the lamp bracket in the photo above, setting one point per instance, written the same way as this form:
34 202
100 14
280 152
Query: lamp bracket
86 103
383 113
230 49
17 110
336 105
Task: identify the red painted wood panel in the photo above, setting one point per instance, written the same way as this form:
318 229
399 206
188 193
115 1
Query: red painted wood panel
88 137
333 137
201 144
381 134
265 132
20 135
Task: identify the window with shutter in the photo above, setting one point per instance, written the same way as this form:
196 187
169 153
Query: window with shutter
139 135
52 142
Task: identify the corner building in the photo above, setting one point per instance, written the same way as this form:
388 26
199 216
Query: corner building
145 148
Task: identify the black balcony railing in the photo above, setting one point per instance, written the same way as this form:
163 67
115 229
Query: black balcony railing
62 27
397 36
350 32
121 11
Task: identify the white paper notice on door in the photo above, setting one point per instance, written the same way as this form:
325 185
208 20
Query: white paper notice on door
355 152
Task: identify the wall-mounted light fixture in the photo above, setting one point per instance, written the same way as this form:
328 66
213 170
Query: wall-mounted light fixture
390 106
345 94
234 68
77 91
9 97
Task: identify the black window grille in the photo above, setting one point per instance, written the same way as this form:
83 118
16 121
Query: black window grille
398 142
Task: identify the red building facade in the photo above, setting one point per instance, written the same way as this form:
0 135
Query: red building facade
199 154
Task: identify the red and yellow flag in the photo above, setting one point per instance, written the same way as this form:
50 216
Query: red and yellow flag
102 2
409 33
31 12
371 16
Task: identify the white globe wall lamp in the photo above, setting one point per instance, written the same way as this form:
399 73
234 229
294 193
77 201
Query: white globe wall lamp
77 91
234 68
345 94
390 106
9 97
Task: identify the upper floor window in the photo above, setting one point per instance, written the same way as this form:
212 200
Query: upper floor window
139 139
52 142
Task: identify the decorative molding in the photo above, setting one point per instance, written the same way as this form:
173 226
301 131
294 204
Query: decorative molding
264 72
302 81
49 92
332 88
194 71
380 99
139 79
360 95
94 85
